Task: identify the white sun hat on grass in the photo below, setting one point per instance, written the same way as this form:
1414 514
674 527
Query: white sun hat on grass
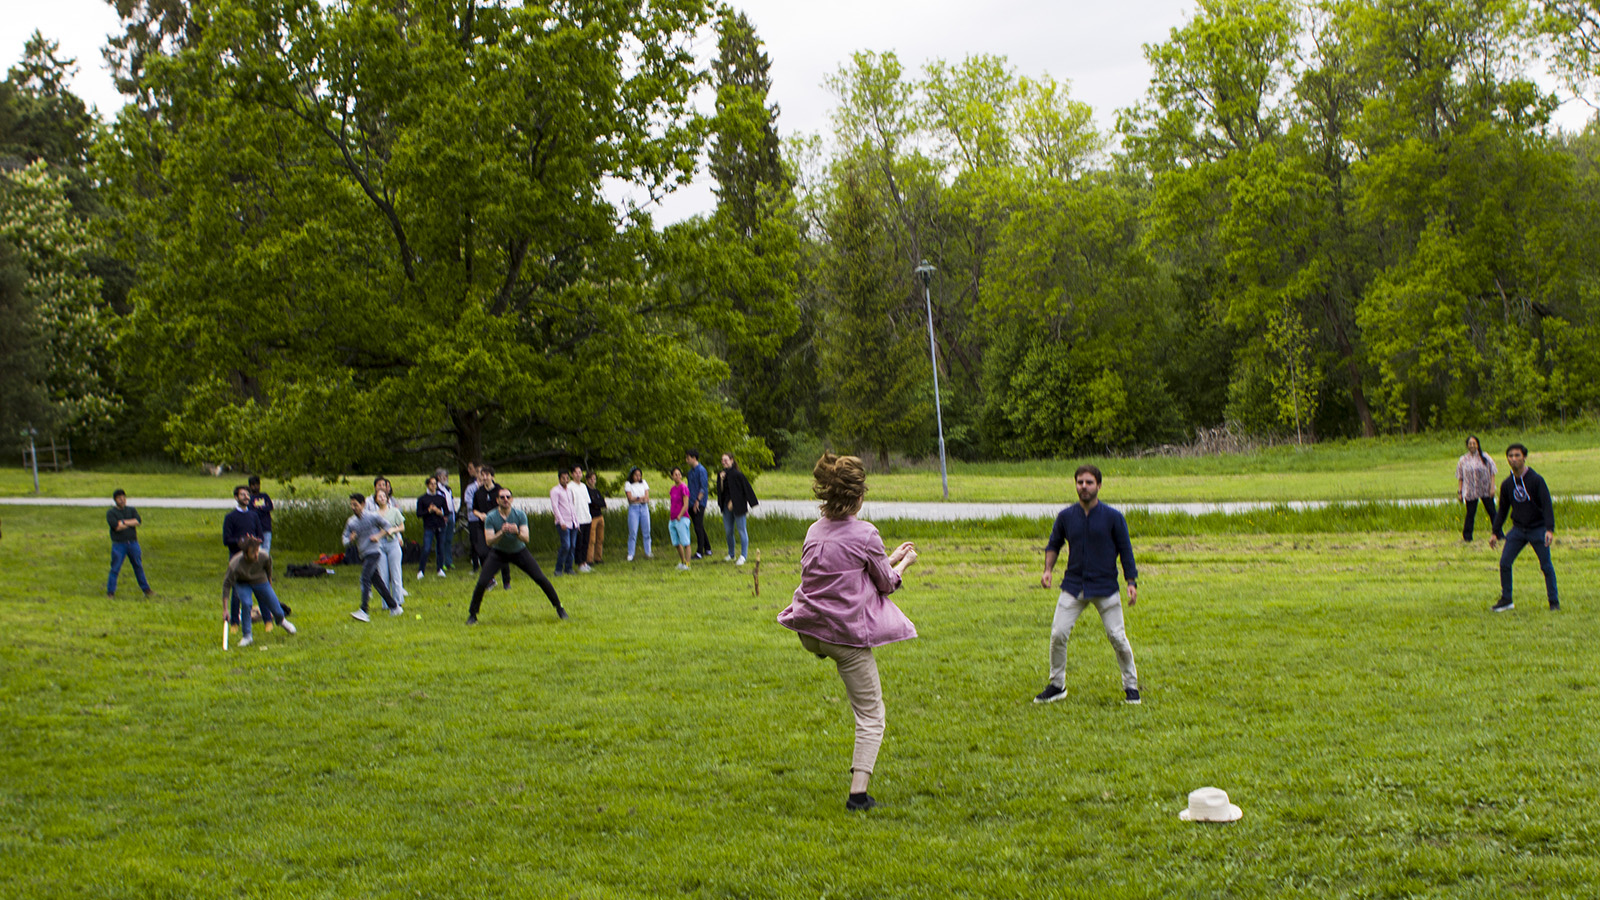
1209 804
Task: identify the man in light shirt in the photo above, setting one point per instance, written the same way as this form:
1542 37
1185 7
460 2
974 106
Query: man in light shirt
566 523
580 510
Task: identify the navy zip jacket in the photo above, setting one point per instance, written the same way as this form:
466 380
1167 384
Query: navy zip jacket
1530 508
1094 541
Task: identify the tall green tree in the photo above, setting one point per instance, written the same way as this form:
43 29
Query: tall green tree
367 229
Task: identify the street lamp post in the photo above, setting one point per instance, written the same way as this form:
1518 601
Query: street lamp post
925 273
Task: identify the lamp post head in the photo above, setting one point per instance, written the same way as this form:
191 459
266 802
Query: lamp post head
925 272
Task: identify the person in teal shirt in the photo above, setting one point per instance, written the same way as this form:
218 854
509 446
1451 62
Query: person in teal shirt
505 530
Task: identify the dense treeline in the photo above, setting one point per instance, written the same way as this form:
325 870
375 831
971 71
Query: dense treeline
331 237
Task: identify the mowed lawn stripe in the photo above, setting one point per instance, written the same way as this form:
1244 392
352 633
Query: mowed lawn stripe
1384 733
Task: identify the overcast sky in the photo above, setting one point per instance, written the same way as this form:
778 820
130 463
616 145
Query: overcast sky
1097 46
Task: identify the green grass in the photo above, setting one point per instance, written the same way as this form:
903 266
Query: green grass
1356 470
1385 734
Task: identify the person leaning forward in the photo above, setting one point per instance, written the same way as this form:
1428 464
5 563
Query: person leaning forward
506 532
1095 536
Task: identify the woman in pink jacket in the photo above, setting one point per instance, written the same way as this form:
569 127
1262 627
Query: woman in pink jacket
842 608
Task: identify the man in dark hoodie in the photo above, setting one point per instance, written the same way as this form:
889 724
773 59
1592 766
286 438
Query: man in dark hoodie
239 522
1526 498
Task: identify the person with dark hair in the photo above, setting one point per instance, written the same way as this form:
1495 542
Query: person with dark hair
638 491
433 507
467 514
842 610
699 482
561 509
363 530
581 513
442 475
737 498
391 545
1475 474
239 522
597 524
249 576
1525 498
261 505
506 530
1096 536
482 505
124 523
678 517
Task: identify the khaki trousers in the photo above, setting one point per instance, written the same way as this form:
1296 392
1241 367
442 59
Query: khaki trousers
859 672
597 539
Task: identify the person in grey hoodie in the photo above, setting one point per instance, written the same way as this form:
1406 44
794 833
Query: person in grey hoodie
363 530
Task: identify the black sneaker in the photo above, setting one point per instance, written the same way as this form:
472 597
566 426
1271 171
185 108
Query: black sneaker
472 620
862 805
1132 696
1555 606
1050 694
562 612
1502 606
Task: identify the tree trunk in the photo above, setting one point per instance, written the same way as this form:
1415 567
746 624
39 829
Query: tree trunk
883 459
1414 416
469 440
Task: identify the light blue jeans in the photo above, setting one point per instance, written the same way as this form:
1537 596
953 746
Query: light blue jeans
271 610
732 523
394 568
638 523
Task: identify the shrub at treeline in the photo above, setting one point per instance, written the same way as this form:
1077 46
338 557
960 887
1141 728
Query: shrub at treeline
351 235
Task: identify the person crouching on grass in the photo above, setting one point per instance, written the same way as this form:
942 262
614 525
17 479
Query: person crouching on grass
505 531
363 530
249 576
1095 536
842 609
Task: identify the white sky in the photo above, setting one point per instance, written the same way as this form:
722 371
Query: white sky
1097 46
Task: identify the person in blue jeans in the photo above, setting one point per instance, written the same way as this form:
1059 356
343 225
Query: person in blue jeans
736 497
638 491
433 507
1525 497
249 576
124 522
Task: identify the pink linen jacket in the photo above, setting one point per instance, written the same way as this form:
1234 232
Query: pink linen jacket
561 506
845 583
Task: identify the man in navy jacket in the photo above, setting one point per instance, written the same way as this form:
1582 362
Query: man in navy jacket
239 521
1096 536
1525 497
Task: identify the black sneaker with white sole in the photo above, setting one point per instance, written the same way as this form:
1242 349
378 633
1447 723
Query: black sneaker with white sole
1131 696
1503 606
1050 694
860 802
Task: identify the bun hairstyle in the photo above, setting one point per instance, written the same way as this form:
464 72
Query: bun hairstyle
840 482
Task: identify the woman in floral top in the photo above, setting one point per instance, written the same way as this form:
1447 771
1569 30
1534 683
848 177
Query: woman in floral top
1475 474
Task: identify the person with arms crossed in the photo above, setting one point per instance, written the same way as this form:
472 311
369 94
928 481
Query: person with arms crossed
1096 536
124 522
465 514
363 530
736 497
433 507
1525 497
249 576
580 512
483 504
442 475
842 610
597 524
699 482
506 530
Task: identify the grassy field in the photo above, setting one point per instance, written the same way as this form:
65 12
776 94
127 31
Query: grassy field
1385 734
1380 469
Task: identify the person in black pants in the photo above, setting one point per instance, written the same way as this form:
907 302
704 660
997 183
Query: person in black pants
699 482
1526 498
483 503
506 530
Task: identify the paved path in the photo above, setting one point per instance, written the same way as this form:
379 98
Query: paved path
807 509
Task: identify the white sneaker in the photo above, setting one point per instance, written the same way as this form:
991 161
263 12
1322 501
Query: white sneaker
585 568
630 559
419 576
398 611
682 567
360 615
288 626
245 641
739 561
441 573
649 556
727 559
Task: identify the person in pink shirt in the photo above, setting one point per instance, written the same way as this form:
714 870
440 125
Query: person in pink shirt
678 518
566 523
842 609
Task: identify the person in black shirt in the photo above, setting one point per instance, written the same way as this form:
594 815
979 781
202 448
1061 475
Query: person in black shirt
1525 497
597 525
434 509
240 521
124 522
261 505
483 503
